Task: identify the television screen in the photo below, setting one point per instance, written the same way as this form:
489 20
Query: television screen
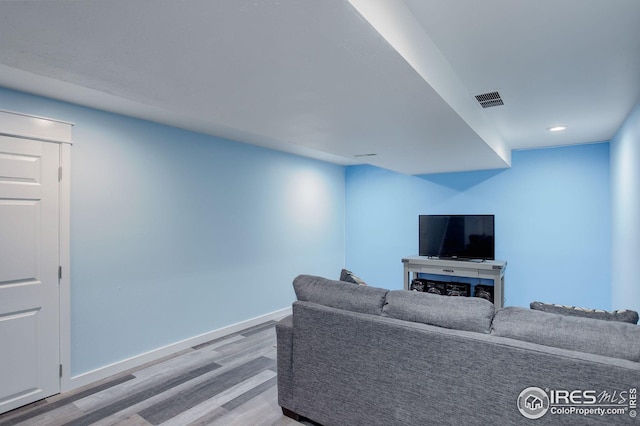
457 236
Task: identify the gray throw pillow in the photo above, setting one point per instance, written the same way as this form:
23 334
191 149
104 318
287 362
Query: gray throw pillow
349 277
622 315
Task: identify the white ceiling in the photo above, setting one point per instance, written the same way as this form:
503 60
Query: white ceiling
336 79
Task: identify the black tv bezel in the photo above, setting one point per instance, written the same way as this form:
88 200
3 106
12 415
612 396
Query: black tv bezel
458 257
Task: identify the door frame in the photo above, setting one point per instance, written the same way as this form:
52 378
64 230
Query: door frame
27 126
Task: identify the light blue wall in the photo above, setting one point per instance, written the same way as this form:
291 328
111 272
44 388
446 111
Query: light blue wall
553 221
175 233
625 206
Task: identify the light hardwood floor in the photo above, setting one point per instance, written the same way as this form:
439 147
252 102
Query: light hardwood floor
228 381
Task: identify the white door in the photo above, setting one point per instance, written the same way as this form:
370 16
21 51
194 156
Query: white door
29 259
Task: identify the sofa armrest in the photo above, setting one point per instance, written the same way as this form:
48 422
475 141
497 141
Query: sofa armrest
284 335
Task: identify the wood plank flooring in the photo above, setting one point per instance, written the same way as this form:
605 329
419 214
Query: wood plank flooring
228 381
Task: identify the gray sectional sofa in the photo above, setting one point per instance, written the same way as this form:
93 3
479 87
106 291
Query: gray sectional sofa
358 355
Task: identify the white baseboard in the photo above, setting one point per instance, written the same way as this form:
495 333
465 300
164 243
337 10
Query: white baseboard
120 366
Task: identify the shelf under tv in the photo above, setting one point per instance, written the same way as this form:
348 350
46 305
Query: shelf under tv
489 269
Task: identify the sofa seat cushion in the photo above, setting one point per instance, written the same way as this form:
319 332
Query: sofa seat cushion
459 313
622 315
607 338
340 295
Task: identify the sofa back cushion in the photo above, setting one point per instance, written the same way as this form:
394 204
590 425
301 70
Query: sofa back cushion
340 295
608 338
622 315
459 313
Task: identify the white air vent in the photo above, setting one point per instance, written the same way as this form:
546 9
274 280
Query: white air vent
489 99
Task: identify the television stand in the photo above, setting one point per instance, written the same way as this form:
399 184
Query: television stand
490 269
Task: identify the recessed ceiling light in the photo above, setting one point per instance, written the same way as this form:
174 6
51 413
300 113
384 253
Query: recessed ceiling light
556 128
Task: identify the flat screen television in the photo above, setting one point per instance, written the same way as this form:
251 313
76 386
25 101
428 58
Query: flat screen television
465 237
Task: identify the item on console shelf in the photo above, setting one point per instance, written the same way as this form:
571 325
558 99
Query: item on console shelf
484 292
458 289
436 287
429 286
417 284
